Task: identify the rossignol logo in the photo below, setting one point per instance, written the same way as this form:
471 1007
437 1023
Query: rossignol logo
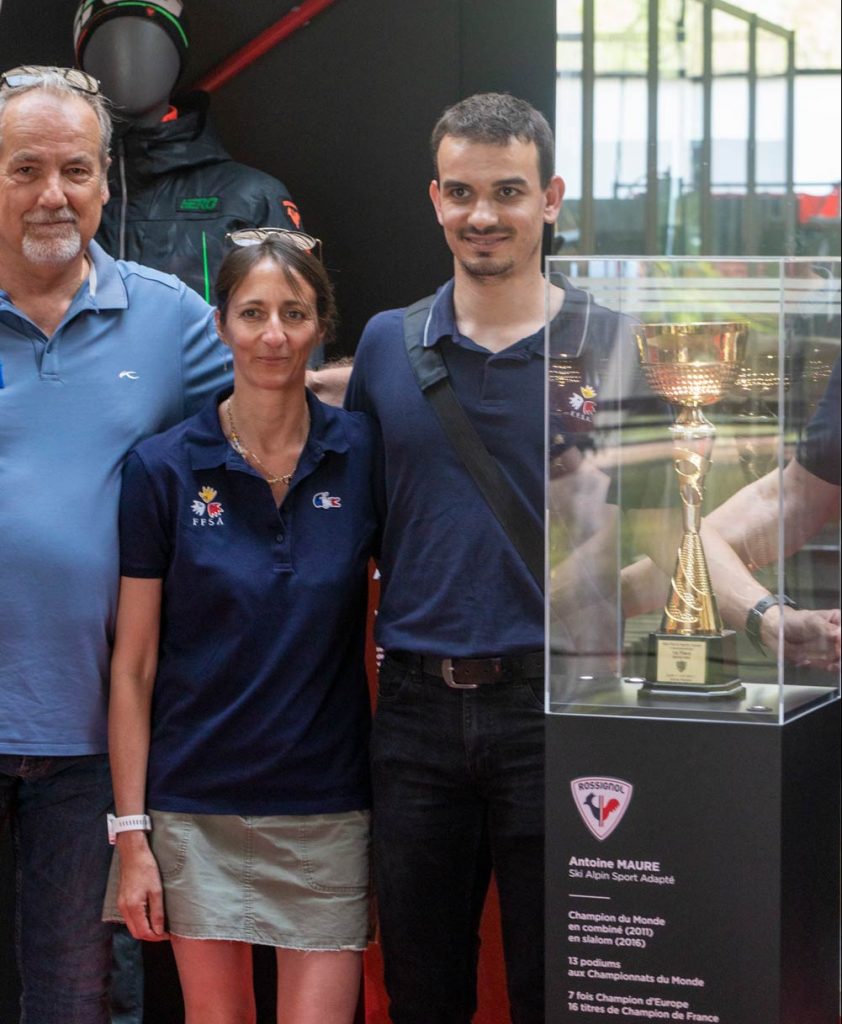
207 511
601 802
323 499
583 403
202 204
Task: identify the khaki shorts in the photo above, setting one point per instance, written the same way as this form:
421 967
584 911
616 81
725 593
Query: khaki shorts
295 881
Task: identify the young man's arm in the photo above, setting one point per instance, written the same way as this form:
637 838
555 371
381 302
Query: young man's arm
330 381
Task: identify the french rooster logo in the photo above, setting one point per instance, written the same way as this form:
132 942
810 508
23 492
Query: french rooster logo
207 506
600 807
601 802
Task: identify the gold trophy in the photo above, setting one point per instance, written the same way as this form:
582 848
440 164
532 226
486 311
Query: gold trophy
691 365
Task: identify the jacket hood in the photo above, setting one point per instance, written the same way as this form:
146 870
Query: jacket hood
188 141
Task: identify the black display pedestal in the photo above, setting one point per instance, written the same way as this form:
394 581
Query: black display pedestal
714 898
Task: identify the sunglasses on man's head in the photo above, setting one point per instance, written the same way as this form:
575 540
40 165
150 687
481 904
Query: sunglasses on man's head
254 236
33 74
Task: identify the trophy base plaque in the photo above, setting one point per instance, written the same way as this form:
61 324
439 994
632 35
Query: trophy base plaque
692 666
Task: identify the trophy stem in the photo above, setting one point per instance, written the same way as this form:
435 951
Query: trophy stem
691 606
691 422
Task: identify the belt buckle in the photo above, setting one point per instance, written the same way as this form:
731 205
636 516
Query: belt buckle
447 675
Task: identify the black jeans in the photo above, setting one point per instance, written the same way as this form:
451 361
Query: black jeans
56 807
458 789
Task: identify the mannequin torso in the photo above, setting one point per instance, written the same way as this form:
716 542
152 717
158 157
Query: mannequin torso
175 191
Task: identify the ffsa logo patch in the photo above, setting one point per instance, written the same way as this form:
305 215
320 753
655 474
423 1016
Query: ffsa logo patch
601 802
206 511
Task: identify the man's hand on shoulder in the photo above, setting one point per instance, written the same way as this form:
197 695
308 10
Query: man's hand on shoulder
330 381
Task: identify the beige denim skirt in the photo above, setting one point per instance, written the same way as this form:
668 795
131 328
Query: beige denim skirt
295 881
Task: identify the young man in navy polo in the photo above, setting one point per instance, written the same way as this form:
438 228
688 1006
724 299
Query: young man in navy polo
458 745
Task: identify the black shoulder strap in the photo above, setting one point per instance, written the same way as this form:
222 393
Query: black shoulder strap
433 379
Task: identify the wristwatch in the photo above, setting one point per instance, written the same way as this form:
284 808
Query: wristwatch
756 614
128 823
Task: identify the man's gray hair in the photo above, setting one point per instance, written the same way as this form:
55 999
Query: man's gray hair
55 83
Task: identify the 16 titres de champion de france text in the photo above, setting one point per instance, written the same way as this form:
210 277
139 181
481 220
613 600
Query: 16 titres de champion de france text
613 949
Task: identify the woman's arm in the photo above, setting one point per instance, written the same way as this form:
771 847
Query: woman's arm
133 667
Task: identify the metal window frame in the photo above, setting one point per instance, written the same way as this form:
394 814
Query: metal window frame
587 226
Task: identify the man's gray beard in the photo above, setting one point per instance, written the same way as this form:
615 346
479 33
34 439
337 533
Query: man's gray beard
58 249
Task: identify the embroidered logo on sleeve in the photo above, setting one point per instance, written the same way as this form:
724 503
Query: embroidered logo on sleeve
323 499
291 211
206 511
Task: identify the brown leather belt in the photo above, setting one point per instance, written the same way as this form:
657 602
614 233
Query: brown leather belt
469 673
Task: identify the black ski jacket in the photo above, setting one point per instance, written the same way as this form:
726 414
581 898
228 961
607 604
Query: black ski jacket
175 192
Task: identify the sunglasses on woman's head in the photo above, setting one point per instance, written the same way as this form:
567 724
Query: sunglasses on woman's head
254 236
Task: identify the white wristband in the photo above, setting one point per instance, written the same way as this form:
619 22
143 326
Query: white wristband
128 823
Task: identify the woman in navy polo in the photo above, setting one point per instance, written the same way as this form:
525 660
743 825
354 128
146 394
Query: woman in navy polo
239 709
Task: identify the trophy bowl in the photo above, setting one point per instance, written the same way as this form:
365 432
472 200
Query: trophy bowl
692 365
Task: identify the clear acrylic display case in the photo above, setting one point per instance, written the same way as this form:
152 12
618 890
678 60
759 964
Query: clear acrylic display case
692 422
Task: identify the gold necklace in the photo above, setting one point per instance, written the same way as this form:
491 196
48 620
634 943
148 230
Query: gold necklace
249 455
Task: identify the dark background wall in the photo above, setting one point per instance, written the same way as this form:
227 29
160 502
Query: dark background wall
341 113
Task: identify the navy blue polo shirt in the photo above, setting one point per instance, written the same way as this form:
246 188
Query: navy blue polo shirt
260 703
452 583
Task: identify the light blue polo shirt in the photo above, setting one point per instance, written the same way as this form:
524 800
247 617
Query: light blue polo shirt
135 353
260 703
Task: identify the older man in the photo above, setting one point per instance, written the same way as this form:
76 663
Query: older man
94 355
